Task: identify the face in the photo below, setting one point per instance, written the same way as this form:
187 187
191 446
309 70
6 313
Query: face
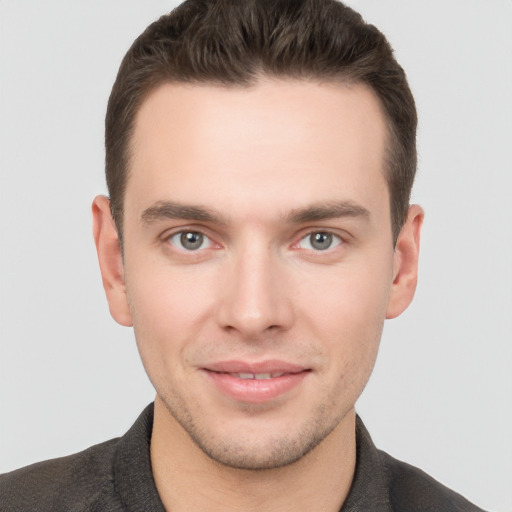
258 261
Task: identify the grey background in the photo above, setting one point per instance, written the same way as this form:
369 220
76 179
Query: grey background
441 394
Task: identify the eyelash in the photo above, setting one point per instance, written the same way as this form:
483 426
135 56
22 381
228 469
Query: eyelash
333 238
178 235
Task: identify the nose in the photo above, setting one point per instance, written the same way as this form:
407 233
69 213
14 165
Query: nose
255 295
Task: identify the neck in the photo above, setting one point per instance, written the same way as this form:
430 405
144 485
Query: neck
187 479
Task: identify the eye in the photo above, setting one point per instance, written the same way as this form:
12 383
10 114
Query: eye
319 241
190 241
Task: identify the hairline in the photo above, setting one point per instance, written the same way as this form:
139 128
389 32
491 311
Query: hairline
343 79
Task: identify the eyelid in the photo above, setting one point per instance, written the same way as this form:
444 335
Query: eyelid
169 234
205 241
342 239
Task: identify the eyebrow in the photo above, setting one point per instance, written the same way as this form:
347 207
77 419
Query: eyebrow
329 210
171 210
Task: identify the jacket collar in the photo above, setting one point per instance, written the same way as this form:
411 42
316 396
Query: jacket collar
134 483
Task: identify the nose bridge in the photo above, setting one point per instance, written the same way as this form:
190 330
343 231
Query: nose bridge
254 300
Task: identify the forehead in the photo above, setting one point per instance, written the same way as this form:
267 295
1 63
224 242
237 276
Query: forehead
280 140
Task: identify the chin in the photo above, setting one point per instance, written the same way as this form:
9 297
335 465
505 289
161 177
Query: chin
268 448
273 454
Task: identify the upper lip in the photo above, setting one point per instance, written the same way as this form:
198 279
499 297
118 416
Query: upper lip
255 367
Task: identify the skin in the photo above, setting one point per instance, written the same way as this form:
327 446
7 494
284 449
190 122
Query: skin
270 164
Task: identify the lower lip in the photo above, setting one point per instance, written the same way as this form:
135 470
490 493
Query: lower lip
255 390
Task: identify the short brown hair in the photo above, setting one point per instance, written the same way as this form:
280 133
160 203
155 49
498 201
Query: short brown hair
236 42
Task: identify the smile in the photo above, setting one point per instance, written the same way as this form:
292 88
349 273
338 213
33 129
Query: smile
255 382
258 376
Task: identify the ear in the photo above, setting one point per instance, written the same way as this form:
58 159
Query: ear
405 263
111 260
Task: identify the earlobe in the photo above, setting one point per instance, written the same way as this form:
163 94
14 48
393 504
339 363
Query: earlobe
405 271
110 260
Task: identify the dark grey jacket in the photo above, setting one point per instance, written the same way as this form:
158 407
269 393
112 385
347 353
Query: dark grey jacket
116 476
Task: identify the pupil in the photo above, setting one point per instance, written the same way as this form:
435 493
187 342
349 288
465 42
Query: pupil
191 240
321 241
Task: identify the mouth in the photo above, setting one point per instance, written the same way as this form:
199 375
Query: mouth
257 376
255 382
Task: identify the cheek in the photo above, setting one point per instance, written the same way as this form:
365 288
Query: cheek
168 297
351 299
169 311
349 316
354 333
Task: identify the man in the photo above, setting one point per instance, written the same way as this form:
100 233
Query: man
259 158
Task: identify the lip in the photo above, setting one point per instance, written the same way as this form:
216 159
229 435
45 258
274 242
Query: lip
255 390
268 366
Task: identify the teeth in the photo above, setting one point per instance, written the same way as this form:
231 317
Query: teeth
257 376
245 375
262 376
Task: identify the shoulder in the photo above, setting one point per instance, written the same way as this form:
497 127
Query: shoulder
69 483
411 488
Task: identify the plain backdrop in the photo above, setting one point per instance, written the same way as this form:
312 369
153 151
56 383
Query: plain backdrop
441 394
